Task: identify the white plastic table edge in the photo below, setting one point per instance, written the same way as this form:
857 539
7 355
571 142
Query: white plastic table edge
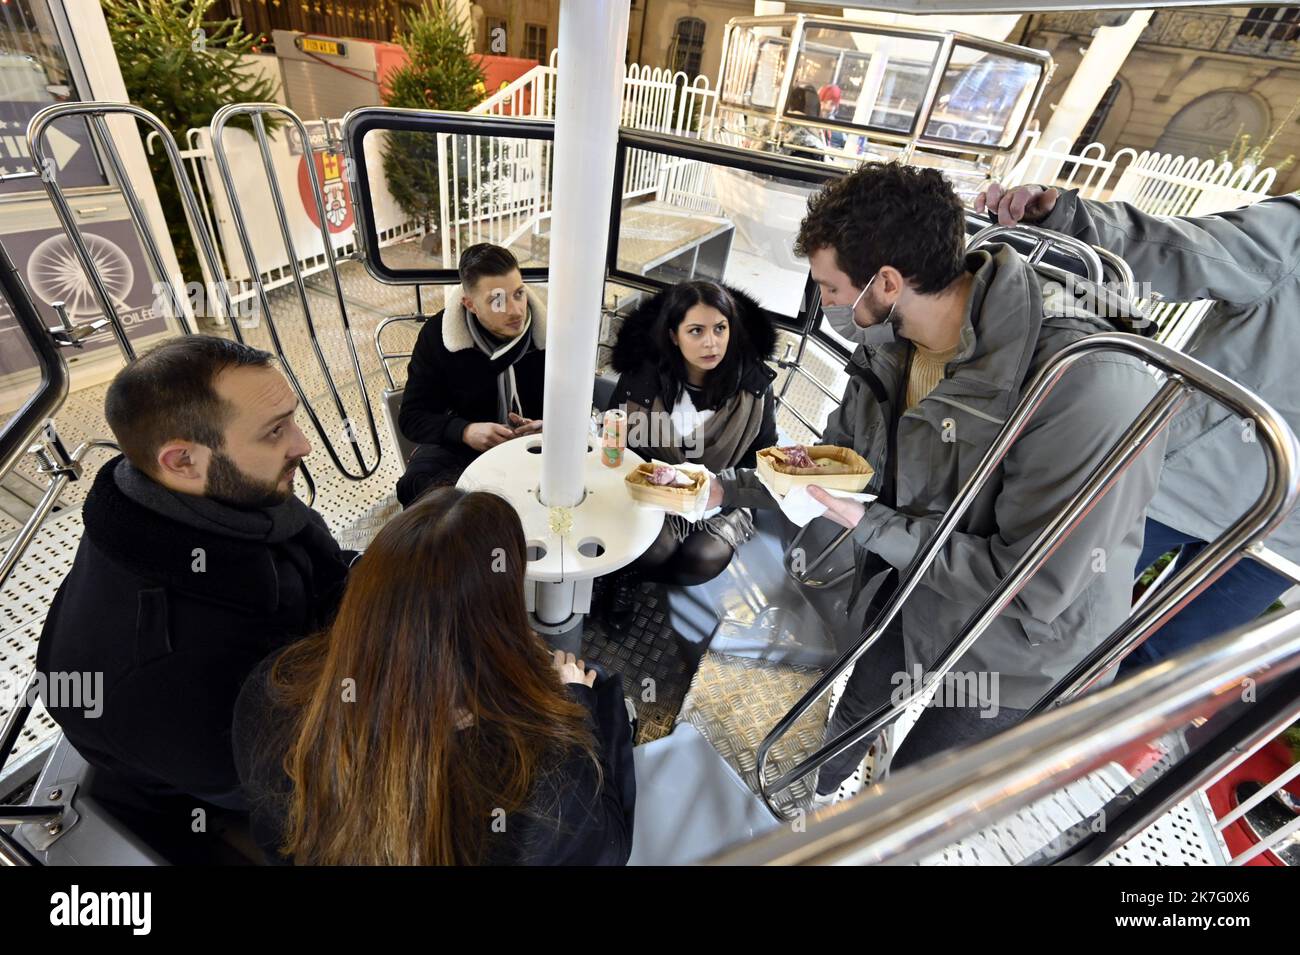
607 514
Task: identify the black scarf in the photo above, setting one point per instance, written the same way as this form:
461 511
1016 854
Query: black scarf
267 525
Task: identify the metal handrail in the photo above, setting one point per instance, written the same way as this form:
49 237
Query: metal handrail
924 808
386 357
1117 273
802 576
257 112
62 468
1185 375
1044 241
95 113
785 403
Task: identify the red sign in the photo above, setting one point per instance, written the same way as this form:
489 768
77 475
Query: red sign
334 191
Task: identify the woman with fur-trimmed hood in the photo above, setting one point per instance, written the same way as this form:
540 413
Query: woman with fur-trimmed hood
697 389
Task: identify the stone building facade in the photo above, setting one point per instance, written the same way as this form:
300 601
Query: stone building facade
1196 78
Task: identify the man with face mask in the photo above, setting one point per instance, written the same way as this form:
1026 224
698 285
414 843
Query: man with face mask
947 343
476 373
197 561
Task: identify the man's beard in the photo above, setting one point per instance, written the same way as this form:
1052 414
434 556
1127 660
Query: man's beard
880 314
228 484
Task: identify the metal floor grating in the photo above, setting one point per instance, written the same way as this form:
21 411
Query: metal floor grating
1184 836
656 673
734 701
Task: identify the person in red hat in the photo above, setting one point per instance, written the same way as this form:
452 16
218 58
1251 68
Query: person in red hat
830 96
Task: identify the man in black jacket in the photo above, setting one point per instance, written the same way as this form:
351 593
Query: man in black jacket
475 377
196 562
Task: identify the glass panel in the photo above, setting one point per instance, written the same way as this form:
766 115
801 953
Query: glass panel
435 194
34 73
861 78
708 221
18 379
983 97
769 68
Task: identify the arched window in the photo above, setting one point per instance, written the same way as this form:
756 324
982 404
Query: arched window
1212 122
688 46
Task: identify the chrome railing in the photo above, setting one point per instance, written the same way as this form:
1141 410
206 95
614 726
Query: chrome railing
52 390
257 113
95 113
386 356
1184 376
35 416
70 334
1044 241
927 807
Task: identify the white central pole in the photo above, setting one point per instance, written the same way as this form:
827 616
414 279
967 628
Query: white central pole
588 103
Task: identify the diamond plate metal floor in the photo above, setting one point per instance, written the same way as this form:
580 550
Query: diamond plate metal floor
656 672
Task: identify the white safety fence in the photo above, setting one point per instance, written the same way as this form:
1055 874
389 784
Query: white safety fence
1158 183
499 190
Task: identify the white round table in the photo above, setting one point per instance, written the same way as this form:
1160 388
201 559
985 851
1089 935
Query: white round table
609 530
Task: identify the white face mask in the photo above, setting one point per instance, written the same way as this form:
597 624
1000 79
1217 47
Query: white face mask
846 326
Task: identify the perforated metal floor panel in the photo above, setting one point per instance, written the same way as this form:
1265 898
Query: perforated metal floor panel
24 602
1183 836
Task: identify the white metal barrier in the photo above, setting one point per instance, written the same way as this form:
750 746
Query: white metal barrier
1186 186
508 193
1158 183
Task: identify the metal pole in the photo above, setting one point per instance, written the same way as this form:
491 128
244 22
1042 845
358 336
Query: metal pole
258 111
593 36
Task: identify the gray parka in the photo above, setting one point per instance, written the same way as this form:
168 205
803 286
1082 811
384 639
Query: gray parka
1014 324
1247 260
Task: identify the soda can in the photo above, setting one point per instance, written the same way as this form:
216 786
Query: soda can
614 438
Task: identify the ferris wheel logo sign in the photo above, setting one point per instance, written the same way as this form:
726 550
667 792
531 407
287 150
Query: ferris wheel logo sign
56 275
334 191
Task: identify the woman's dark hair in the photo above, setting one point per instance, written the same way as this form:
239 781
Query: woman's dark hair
889 214
721 382
804 99
429 706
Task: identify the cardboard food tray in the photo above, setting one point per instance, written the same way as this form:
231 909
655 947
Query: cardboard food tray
786 478
681 500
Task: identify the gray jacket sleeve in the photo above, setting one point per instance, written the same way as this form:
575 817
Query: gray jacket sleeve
1051 459
1235 257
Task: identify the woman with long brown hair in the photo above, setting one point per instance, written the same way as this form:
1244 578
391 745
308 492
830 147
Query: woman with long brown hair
429 724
